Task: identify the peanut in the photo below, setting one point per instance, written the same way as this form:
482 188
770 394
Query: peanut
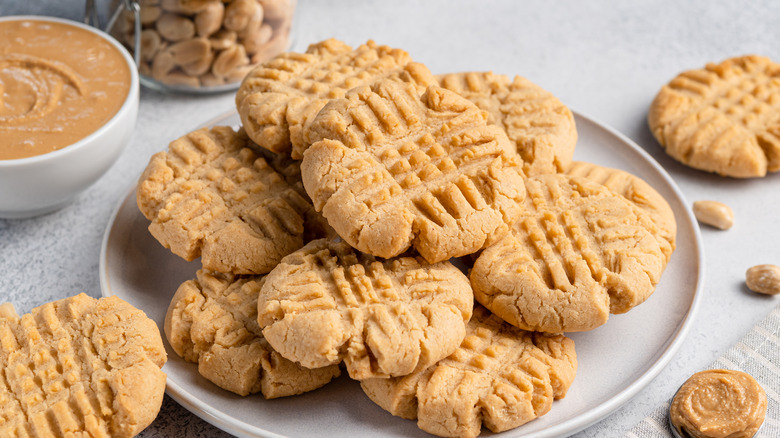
238 73
209 20
713 213
763 279
277 10
189 51
278 44
254 40
254 23
223 39
229 60
150 43
238 13
149 14
174 27
187 7
179 78
209 80
162 64
199 66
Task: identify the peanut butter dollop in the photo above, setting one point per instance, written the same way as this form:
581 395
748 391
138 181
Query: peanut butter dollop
58 84
718 404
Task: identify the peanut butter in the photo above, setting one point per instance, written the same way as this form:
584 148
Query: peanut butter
719 404
58 84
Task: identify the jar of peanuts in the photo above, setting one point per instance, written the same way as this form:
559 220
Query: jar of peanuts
203 45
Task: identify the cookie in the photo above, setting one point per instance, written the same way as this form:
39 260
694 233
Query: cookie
315 226
500 376
79 367
724 118
212 321
277 99
639 193
541 127
211 196
578 253
327 303
391 168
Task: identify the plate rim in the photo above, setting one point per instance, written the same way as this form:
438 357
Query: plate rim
568 427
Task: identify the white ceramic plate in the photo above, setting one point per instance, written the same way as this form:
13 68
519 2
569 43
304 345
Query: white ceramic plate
615 360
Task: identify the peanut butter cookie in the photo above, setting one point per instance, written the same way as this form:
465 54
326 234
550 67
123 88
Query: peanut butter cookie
639 193
390 168
541 127
500 376
279 98
211 196
328 303
79 367
212 321
579 252
724 118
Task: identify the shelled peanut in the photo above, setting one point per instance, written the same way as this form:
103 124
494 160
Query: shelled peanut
207 43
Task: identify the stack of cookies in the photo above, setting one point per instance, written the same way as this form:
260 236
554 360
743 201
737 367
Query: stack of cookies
327 226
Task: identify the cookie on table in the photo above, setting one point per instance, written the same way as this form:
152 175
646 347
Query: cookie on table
79 366
724 118
500 376
541 127
578 253
277 99
327 303
638 192
212 321
212 196
390 168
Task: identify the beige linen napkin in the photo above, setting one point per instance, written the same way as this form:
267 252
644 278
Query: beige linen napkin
758 354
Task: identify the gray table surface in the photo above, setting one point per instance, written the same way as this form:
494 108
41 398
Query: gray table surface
603 58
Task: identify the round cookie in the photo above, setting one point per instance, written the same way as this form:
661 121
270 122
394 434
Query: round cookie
79 366
639 193
277 99
327 303
390 168
578 253
724 118
212 321
541 127
212 196
500 376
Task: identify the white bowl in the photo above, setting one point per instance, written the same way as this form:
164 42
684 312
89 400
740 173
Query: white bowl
44 183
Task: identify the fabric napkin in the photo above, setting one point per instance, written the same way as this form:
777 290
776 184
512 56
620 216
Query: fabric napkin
758 354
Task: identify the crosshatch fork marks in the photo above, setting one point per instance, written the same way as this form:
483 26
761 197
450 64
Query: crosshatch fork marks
578 253
381 318
504 377
72 366
722 118
393 169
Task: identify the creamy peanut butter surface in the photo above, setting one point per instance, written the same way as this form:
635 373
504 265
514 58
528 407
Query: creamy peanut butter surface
719 404
58 84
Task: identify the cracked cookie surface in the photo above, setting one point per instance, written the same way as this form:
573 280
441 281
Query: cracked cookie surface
212 321
503 377
578 253
212 196
638 192
541 127
328 303
390 168
280 97
723 118
79 367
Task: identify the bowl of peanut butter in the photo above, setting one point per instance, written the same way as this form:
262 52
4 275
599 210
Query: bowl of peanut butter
68 105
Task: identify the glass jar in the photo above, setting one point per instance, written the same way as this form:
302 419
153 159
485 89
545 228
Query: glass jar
204 45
